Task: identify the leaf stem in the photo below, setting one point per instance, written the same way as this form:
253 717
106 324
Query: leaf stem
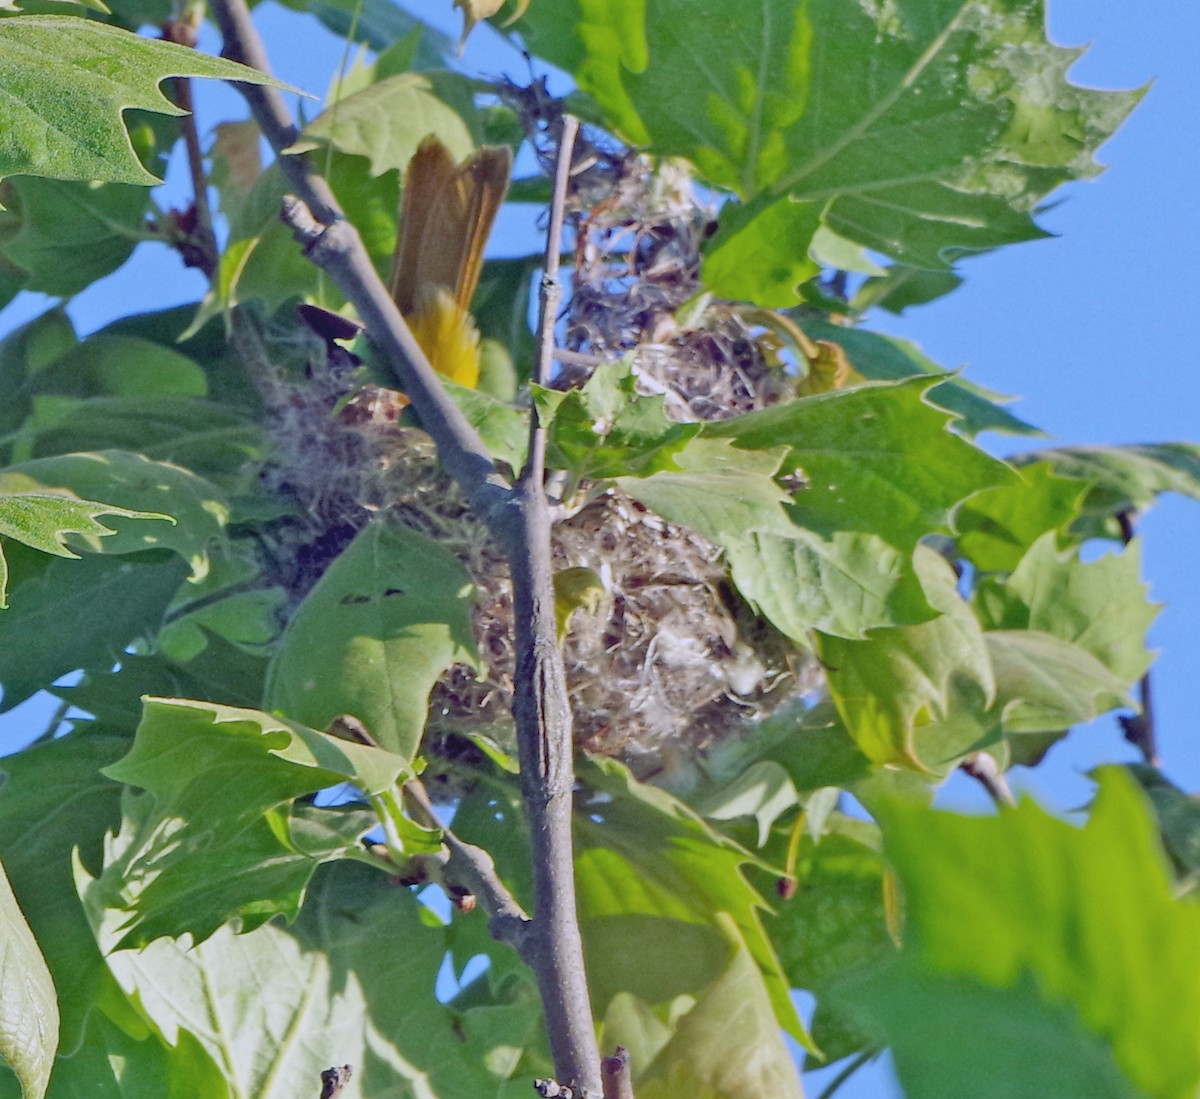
1139 729
982 768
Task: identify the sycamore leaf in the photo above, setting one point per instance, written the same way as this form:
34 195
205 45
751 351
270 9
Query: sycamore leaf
653 880
28 1006
1100 605
37 838
877 459
106 71
44 518
1178 816
355 975
923 132
216 838
81 615
607 429
387 121
996 527
1033 907
1124 478
389 616
841 584
729 1043
194 510
1045 684
887 687
884 358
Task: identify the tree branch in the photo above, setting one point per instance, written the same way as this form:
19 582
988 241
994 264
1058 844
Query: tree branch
1139 729
982 768
519 520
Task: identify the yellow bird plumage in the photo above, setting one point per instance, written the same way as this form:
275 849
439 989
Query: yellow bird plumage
446 214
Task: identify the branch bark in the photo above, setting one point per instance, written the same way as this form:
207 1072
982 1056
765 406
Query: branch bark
518 518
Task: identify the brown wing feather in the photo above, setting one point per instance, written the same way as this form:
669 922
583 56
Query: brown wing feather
446 214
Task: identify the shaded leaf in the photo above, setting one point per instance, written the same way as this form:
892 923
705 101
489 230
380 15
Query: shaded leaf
389 616
890 686
159 490
82 614
28 1006
333 977
380 24
80 135
1178 815
113 365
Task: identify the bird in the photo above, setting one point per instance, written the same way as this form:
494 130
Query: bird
447 210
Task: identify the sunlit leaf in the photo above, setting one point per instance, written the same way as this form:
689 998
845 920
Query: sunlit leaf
106 71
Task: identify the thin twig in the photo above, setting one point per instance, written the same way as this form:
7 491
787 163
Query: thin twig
982 768
542 714
471 869
1139 729
618 1081
835 1084
200 248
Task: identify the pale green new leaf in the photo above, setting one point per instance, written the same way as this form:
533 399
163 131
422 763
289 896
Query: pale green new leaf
28 1006
387 121
1086 916
212 837
67 80
653 880
877 459
389 616
193 510
351 982
728 1045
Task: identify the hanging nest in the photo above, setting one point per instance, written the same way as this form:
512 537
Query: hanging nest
673 660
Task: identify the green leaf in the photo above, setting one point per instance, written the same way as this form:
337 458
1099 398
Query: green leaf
653 880
1126 478
996 527
157 490
63 235
44 518
390 615
355 976
887 359
876 460
28 1006
387 121
107 70
607 429
925 131
214 839
718 490
899 681
776 230
1084 916
212 440
991 1043
80 615
1100 605
842 583
1045 684
716 1051
503 428
379 24
834 925
763 791
1178 816
112 365
55 801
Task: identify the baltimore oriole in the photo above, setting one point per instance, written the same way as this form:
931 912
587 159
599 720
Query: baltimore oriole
446 213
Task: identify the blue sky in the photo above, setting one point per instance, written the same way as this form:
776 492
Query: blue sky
1094 329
